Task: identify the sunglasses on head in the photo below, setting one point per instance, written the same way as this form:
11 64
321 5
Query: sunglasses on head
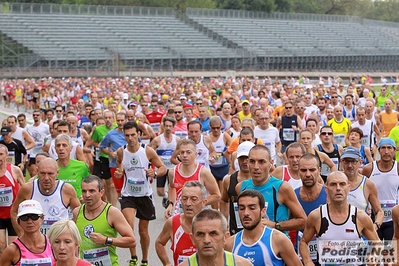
33 217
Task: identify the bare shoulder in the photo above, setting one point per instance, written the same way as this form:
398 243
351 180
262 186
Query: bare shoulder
242 261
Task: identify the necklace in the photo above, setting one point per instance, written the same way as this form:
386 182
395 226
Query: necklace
91 211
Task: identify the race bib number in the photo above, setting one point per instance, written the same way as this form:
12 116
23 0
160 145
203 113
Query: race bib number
312 246
387 206
165 157
36 262
288 134
11 157
325 169
339 139
45 227
136 187
182 134
218 159
6 196
365 141
155 127
237 216
98 256
181 258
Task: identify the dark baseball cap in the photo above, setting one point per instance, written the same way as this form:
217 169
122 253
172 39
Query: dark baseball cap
5 130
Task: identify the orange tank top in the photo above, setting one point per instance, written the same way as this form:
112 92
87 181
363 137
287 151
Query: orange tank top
389 121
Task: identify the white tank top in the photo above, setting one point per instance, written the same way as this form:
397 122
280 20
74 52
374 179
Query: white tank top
220 148
53 206
38 134
387 184
331 231
368 137
53 153
78 139
135 183
202 153
18 135
294 183
234 134
357 198
166 149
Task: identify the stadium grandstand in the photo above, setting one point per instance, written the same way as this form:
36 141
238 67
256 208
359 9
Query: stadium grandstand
96 37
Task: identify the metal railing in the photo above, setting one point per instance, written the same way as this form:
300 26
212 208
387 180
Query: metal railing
371 22
84 9
230 13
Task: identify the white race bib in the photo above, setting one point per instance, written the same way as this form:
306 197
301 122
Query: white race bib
45 227
288 134
182 258
237 216
136 187
339 139
98 256
387 206
6 196
312 246
36 262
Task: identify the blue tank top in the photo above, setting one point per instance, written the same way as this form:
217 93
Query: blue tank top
276 211
307 206
363 156
261 252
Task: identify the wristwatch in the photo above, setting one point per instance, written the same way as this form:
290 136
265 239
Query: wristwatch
109 241
278 226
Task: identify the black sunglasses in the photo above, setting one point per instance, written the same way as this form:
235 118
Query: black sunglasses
33 217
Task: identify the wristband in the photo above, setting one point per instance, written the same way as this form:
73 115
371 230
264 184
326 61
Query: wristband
109 241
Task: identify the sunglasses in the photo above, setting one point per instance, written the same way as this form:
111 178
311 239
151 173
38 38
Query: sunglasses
215 127
33 217
288 107
35 115
178 112
326 133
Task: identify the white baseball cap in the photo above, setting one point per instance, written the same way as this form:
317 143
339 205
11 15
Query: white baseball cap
29 207
244 148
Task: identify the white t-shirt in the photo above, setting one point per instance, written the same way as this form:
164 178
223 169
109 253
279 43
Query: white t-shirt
269 137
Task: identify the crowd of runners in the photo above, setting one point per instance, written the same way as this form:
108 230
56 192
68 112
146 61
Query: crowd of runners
250 171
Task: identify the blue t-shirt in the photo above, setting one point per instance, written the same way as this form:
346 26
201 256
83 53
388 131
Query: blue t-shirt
114 140
205 124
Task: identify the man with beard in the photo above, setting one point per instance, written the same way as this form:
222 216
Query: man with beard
228 204
321 112
259 244
311 194
180 128
384 173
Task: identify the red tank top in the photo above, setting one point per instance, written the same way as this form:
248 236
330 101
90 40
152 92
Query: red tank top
182 246
179 180
8 192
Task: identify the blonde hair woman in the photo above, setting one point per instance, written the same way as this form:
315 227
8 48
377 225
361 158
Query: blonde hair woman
65 240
